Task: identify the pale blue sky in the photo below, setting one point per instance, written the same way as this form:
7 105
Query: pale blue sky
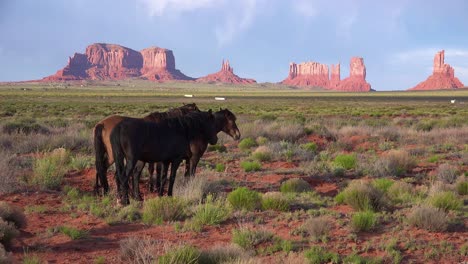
397 39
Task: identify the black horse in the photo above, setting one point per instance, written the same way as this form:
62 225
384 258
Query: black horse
225 121
168 141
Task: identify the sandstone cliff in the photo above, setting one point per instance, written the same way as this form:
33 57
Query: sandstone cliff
225 75
443 76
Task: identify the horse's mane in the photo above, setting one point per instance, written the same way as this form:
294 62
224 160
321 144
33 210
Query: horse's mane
173 112
192 123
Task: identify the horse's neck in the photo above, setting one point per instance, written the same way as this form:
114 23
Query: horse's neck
219 122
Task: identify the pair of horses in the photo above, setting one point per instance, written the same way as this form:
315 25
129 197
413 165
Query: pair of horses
167 138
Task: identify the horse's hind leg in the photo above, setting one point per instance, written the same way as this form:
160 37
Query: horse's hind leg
174 166
153 178
129 167
136 180
193 164
161 183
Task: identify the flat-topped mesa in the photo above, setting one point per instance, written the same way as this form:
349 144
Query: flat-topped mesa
356 82
103 61
443 76
225 75
307 74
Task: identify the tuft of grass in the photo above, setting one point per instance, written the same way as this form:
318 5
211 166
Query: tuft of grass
13 214
446 201
9 173
311 147
362 196
212 212
275 201
383 184
462 187
363 221
181 254
220 167
447 173
316 227
243 198
429 218
217 147
247 143
248 239
137 250
8 232
295 185
81 162
262 153
50 169
261 140
73 233
225 254
167 208
249 166
394 163
346 161
318 255
100 260
401 192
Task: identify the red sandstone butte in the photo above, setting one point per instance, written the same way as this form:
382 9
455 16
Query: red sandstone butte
114 62
443 76
225 75
314 74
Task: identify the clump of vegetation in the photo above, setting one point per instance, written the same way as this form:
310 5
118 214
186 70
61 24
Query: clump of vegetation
429 218
247 143
5 257
249 166
81 162
363 221
225 254
261 140
8 232
212 212
318 255
180 254
394 163
73 233
383 184
243 198
462 187
12 214
362 196
217 147
50 169
8 177
167 208
220 167
316 227
26 126
275 201
137 250
295 185
262 153
345 161
248 239
311 147
401 192
447 173
446 201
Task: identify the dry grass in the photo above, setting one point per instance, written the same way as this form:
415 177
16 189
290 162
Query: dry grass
394 163
12 214
138 250
317 227
428 217
8 174
447 173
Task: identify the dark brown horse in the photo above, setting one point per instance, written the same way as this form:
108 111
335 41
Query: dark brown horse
103 148
168 141
225 121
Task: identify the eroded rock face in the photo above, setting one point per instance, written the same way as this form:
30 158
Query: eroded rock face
443 76
114 62
314 74
225 75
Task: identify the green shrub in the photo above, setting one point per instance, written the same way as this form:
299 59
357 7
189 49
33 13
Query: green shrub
462 187
25 126
220 167
429 218
275 201
7 232
340 198
261 140
383 184
50 169
311 146
218 147
346 161
12 214
81 162
363 196
401 192
248 239
243 198
447 173
446 201
394 163
318 255
262 153
247 143
356 259
316 227
212 212
73 233
295 185
363 221
226 254
180 255
167 208
249 166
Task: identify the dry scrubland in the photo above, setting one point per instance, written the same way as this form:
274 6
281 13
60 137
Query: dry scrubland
318 177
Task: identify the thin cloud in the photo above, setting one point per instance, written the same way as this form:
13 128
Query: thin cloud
161 7
305 8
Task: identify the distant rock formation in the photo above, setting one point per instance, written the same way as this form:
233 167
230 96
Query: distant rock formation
225 75
443 76
314 74
114 62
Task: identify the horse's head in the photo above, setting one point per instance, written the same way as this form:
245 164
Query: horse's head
189 108
209 127
226 122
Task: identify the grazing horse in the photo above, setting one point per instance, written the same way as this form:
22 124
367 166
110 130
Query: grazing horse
225 121
103 148
168 141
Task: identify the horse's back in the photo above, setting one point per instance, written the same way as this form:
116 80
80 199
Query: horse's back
108 124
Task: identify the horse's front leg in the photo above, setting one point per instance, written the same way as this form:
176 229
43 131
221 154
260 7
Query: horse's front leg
174 166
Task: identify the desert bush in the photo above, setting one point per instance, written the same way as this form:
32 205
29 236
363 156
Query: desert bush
184 254
250 166
429 218
262 153
243 198
220 167
12 214
25 127
8 175
137 250
295 185
81 162
383 184
394 163
261 140
8 232
401 192
247 143
217 147
50 169
462 187
129 213
248 239
211 212
447 173
197 188
5 257
167 208
346 161
319 255
363 221
316 227
275 201
446 201
224 254
311 146
362 196
73 233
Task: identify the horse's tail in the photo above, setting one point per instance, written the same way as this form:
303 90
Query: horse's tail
101 160
118 153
